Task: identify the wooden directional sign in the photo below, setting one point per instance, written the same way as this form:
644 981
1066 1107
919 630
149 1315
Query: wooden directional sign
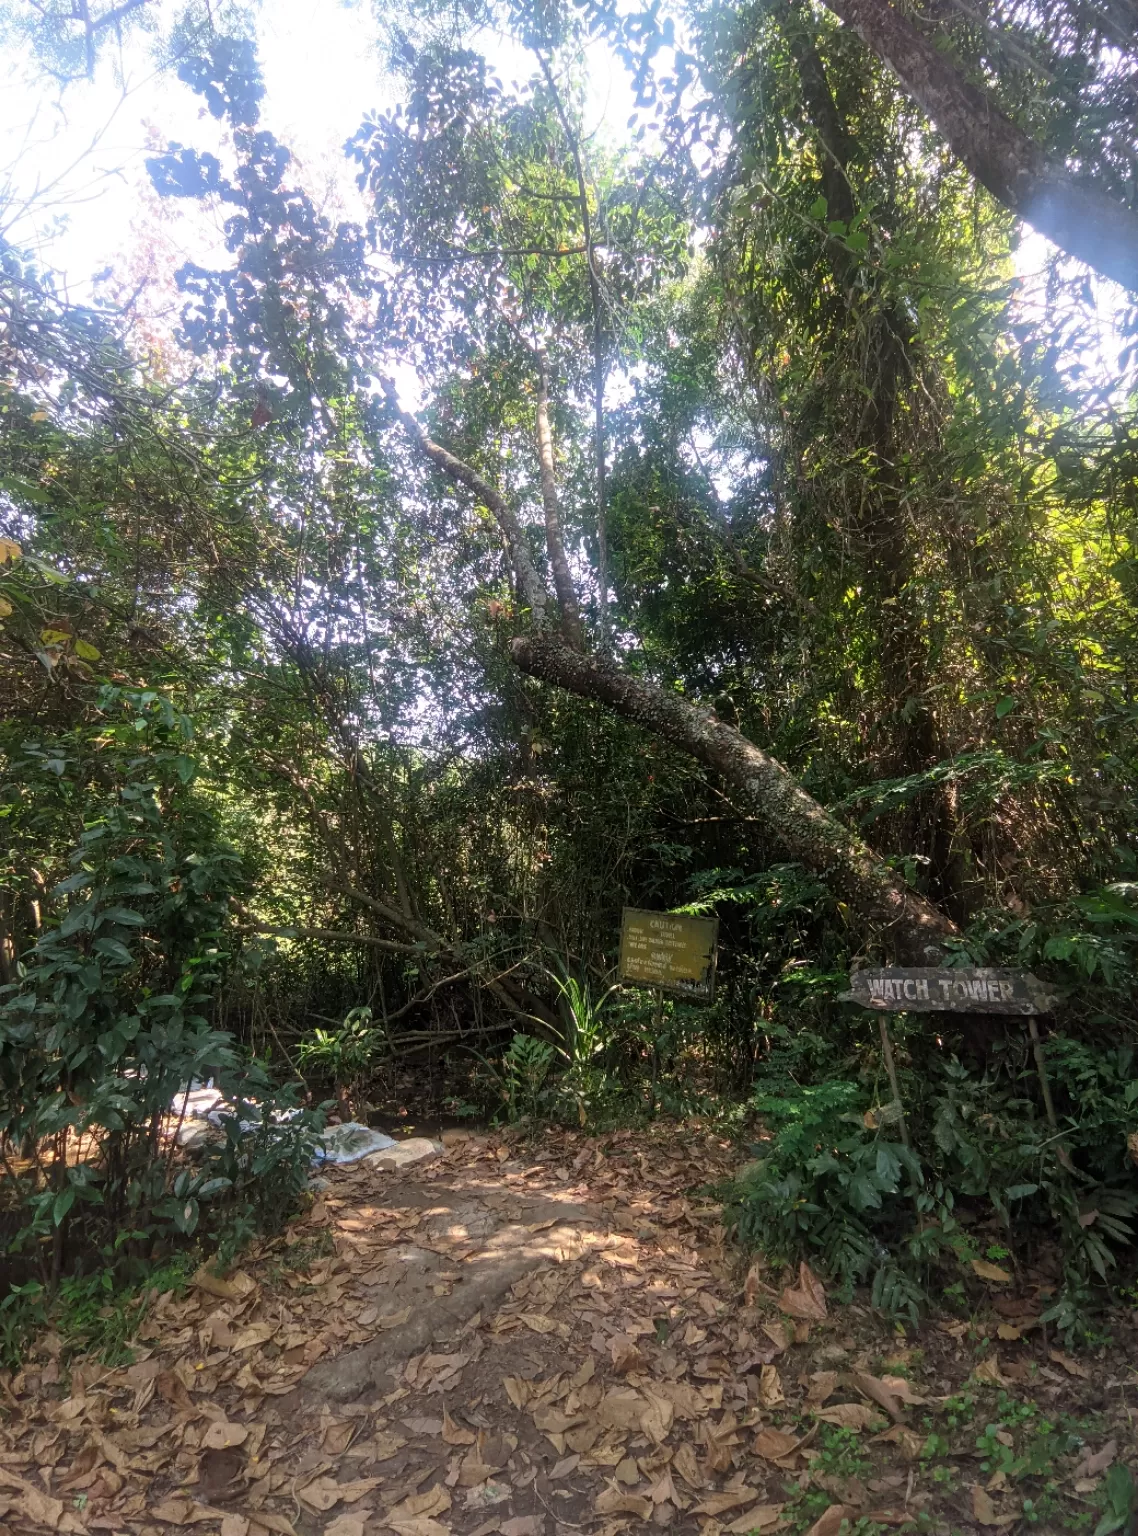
663 949
949 989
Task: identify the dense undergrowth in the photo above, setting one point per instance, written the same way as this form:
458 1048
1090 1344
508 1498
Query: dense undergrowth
108 1019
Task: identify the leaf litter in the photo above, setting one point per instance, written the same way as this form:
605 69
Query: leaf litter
644 1375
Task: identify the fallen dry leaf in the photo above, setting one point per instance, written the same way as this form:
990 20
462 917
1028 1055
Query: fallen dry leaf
910 1442
876 1390
618 1501
857 1416
1072 1367
181 1511
779 1334
664 1491
1091 1466
989 1370
343 1525
418 1525
419 1424
830 1523
621 1408
770 1444
220 1435
902 1390
823 1384
625 1355
263 1520
984 1511
731 1498
686 1463
38 1507
752 1283
253 1336
233 1288
764 1517
322 1494
770 1387
435 1501
454 1434
235 1525
539 1322
523 1525
991 1272
806 1300
656 1419
338 1436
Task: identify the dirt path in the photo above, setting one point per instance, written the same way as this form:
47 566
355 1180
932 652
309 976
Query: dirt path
540 1339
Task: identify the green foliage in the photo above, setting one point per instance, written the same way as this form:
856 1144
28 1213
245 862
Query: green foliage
1120 1498
95 1314
343 1056
827 1186
526 1066
107 1018
851 487
832 1183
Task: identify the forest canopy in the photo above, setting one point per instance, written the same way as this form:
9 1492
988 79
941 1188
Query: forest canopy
731 512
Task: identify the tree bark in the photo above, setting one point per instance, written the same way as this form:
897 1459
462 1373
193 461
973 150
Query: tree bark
912 929
559 564
1074 215
837 145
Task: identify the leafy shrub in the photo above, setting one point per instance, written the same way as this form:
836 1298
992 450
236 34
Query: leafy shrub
828 1186
342 1057
108 1016
526 1065
835 1184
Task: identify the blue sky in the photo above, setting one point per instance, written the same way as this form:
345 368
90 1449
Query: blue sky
76 185
77 160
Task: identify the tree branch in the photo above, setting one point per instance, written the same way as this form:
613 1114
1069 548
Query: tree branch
328 935
598 346
562 579
389 914
1075 215
530 584
912 927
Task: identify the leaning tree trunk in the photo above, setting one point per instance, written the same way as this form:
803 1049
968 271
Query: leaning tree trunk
908 926
886 909
1075 215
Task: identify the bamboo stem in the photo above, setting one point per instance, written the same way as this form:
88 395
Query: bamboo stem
1041 1068
891 1069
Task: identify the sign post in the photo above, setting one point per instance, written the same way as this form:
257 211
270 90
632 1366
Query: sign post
953 989
670 952
949 989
